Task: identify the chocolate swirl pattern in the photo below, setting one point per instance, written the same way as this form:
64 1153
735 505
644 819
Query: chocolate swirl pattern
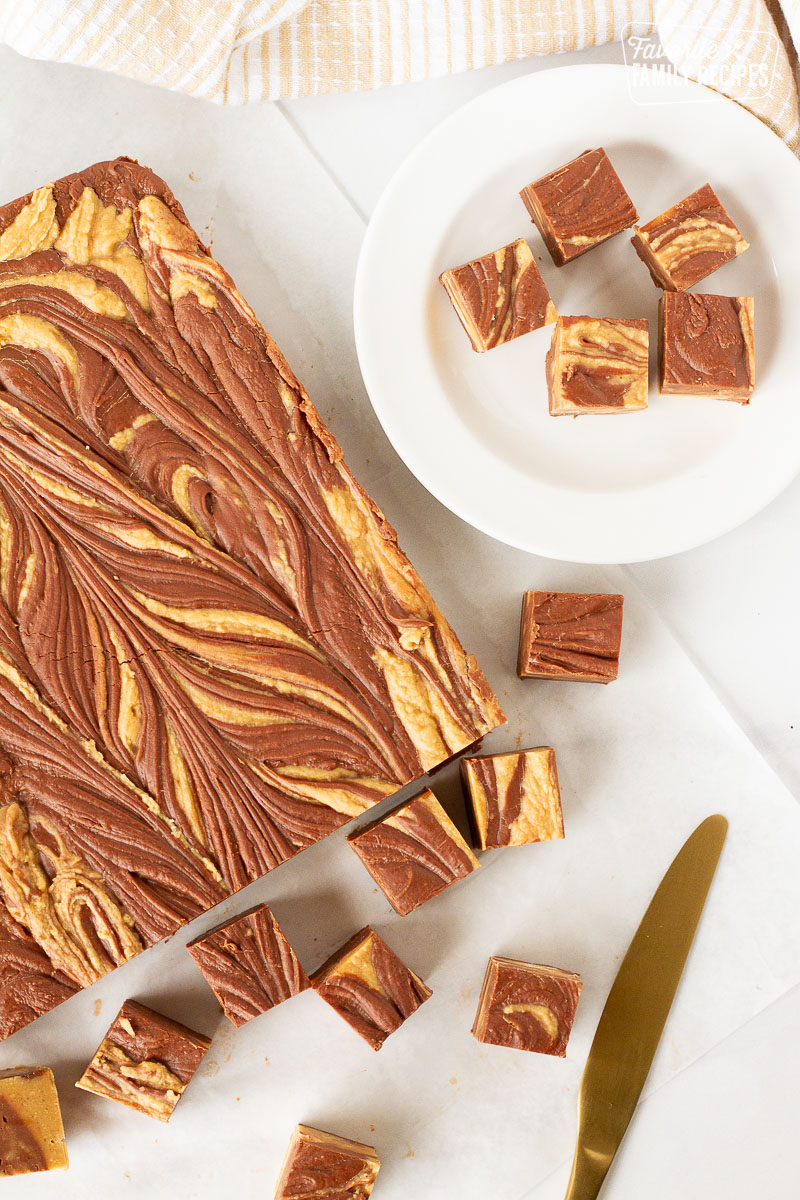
514 798
500 296
145 1061
369 986
324 1166
527 1007
249 965
414 852
205 622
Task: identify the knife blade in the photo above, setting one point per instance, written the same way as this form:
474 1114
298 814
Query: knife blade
637 1008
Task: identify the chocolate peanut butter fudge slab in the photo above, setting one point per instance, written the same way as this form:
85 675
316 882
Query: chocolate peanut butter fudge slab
212 650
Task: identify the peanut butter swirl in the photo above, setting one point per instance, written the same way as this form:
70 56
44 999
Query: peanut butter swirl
145 1061
500 296
370 987
527 1007
201 608
688 241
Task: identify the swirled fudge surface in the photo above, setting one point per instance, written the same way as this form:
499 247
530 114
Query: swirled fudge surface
212 650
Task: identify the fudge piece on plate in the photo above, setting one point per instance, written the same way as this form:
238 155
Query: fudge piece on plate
500 296
597 365
579 206
706 346
688 241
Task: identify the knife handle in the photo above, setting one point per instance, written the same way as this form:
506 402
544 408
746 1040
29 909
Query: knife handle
588 1172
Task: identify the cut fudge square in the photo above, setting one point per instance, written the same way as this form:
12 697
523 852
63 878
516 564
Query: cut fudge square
323 1164
414 852
570 635
249 964
597 365
579 206
706 346
527 1007
145 1061
688 241
500 296
368 985
514 798
31 1130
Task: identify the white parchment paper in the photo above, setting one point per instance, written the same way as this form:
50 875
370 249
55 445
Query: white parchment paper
641 762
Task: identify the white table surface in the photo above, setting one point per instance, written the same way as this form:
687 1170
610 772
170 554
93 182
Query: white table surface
726 1126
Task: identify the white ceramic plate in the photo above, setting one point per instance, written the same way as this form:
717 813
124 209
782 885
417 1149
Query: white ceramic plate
475 429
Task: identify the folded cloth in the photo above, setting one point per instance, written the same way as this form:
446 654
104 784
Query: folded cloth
233 51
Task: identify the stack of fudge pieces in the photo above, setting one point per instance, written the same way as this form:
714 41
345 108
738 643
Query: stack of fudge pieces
599 365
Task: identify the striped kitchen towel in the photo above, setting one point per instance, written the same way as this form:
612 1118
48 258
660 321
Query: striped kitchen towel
232 51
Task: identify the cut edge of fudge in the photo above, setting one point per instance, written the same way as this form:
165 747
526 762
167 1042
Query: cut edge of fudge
394 820
481 783
564 250
547 1020
665 275
247 989
31 1127
309 1136
506 321
148 1084
528 638
635 396
745 308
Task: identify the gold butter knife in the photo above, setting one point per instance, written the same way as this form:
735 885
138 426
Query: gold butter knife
638 1006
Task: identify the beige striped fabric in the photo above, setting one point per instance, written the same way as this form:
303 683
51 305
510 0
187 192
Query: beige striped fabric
233 51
